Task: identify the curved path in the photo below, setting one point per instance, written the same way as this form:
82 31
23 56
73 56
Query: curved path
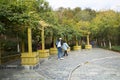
62 69
94 64
107 68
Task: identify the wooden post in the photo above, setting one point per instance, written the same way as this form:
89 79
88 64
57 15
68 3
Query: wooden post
42 38
76 42
29 58
88 40
54 43
29 41
88 46
76 47
43 53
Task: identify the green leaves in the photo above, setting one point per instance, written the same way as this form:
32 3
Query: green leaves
105 25
16 15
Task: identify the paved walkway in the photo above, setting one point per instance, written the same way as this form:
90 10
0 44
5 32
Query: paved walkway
94 64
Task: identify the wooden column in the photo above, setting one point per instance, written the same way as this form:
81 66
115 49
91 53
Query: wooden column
42 38
88 46
43 53
88 40
29 58
54 49
29 41
76 47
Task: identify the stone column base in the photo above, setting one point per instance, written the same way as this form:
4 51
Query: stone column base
88 46
53 51
76 47
43 53
30 67
29 58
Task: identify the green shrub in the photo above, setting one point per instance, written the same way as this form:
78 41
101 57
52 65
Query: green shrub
116 48
8 45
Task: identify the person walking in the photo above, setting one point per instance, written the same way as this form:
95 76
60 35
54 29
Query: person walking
65 46
59 48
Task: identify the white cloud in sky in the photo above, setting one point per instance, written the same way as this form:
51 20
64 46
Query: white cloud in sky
93 4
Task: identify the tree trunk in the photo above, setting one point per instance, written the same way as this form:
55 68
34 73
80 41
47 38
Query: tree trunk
101 44
104 43
96 42
18 47
109 44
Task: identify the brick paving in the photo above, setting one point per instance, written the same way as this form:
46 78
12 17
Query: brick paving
95 64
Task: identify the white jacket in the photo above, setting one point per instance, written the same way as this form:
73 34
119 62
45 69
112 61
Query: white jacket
65 46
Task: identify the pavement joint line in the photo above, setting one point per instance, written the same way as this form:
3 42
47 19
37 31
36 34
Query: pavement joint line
69 78
79 65
104 58
43 75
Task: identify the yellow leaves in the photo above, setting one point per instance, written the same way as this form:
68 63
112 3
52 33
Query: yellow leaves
84 25
44 24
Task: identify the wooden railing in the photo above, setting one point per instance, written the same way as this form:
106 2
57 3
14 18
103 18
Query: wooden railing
8 58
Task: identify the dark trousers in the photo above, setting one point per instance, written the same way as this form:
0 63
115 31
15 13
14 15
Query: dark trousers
65 53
